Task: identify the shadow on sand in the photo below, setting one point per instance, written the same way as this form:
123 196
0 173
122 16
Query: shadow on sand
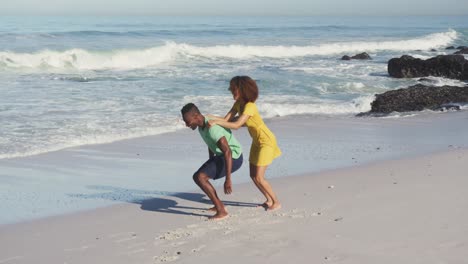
149 202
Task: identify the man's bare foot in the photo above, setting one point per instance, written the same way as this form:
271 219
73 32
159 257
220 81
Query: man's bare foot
218 216
274 207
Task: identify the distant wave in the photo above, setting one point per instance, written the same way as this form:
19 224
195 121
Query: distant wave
131 59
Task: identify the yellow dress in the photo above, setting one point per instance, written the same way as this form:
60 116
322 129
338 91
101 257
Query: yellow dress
264 147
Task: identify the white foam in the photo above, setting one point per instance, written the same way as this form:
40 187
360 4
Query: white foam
131 59
97 133
285 105
271 108
440 81
89 60
59 142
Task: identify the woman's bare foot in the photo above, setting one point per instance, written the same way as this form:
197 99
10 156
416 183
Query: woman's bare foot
212 209
218 216
274 207
265 204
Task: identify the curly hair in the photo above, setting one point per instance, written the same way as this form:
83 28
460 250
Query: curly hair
247 87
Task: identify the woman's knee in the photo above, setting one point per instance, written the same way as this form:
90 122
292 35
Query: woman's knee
256 178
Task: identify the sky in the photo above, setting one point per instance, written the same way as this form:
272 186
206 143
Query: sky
234 7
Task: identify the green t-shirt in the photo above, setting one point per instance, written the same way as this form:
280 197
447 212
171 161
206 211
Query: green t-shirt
212 135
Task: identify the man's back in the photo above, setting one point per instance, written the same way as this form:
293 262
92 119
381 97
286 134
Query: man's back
212 135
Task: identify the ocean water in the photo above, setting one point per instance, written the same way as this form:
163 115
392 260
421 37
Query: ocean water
79 81
71 81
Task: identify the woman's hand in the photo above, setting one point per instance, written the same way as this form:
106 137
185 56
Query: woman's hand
212 123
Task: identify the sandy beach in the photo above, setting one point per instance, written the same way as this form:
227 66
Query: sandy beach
400 211
394 200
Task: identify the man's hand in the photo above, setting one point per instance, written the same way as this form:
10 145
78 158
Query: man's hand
228 186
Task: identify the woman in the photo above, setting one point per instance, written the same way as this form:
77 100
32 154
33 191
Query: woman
264 148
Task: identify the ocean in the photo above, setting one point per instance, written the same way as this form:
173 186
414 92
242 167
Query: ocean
72 81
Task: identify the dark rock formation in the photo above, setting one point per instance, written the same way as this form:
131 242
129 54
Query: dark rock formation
360 56
448 107
462 51
433 50
450 47
462 47
420 97
449 66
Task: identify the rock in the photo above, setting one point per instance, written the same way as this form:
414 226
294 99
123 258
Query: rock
450 47
448 107
462 51
417 98
462 47
360 56
449 66
433 50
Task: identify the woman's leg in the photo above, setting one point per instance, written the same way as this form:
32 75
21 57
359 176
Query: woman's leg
253 175
257 173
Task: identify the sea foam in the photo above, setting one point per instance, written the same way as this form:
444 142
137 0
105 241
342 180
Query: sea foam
171 51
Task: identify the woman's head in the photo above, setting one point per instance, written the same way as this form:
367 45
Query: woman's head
244 88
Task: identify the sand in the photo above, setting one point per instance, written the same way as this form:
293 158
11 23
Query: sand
410 210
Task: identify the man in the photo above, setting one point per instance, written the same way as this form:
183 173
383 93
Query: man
225 157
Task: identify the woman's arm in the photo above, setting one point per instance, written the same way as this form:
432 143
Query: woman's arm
231 125
229 116
213 117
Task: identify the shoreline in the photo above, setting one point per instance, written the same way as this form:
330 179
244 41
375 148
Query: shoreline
97 176
349 215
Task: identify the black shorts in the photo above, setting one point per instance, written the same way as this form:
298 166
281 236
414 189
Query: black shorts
215 167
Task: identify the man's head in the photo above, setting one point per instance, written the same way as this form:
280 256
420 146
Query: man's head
192 116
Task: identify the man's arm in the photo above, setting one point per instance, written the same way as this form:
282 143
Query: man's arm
224 147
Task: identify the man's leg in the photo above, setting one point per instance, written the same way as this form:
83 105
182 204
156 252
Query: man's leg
202 180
